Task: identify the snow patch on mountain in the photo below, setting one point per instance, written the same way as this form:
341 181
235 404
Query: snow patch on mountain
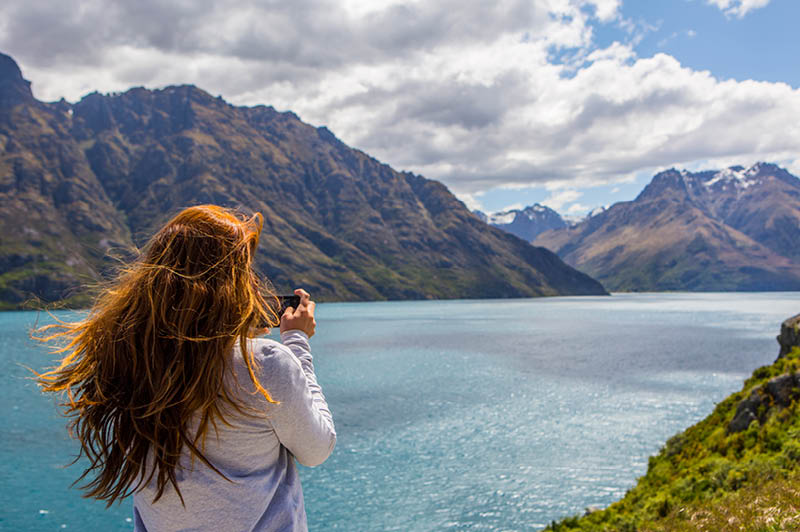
525 223
573 219
531 221
736 176
501 218
597 210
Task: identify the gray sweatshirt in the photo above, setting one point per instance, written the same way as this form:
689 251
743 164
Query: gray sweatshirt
257 454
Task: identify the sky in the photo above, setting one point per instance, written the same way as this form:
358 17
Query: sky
569 103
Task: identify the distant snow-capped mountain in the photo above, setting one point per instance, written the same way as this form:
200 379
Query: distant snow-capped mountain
573 220
530 222
525 223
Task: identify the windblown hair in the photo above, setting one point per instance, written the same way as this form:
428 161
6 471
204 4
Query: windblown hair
154 350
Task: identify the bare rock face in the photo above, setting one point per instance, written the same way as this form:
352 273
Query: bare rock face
778 392
789 336
14 88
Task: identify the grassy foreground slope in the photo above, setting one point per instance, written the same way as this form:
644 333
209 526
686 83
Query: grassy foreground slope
738 469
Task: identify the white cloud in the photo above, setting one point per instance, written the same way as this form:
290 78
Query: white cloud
792 165
606 10
637 29
471 201
513 207
464 91
577 208
559 198
738 8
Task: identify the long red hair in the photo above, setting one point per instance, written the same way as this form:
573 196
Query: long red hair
155 348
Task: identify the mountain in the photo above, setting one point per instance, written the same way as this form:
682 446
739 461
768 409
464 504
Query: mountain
525 223
56 220
738 469
530 222
733 229
83 184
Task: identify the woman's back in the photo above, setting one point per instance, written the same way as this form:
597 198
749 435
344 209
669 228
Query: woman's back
263 490
175 402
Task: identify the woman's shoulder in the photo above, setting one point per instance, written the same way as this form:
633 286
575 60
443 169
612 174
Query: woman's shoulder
264 347
276 365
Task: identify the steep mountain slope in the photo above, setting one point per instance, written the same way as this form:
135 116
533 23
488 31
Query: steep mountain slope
113 168
762 202
56 221
727 230
525 223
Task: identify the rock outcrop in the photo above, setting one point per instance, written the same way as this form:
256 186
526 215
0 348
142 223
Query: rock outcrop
13 87
778 392
789 336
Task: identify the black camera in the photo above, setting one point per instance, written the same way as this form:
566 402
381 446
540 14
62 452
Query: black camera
288 301
280 307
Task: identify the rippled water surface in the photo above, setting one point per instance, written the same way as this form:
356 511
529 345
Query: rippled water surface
453 415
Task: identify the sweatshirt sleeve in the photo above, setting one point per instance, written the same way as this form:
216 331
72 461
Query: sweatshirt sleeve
302 421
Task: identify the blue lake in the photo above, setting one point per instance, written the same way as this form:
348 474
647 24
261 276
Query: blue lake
452 415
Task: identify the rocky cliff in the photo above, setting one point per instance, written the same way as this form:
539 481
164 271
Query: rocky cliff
789 336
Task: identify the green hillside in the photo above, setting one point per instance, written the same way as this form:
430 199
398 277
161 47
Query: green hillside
735 470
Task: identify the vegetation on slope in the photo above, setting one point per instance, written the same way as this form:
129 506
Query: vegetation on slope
722 473
767 505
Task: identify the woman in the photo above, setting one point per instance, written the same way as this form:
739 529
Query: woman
173 398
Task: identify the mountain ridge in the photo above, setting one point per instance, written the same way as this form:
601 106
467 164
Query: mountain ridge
729 229
531 221
103 173
526 223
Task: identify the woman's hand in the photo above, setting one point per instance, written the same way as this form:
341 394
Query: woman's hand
302 317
